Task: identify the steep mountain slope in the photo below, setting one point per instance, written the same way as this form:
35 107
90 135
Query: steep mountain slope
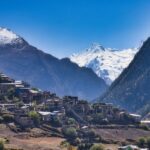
132 89
105 62
22 61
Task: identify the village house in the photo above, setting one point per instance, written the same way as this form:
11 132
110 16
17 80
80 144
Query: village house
8 84
5 79
8 107
26 108
46 95
145 122
54 104
36 95
103 108
57 114
82 107
136 117
70 100
28 95
24 120
132 147
5 87
45 115
23 94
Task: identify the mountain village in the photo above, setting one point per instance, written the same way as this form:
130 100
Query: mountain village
23 108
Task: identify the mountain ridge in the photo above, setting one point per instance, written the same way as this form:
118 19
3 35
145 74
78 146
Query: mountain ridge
131 89
25 62
107 63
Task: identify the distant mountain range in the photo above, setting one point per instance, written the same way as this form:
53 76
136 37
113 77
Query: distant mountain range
132 89
107 63
22 61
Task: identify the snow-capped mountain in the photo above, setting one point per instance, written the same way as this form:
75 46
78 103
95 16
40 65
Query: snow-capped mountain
107 63
7 37
22 61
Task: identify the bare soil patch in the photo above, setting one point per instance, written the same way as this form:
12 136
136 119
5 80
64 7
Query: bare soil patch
122 135
24 141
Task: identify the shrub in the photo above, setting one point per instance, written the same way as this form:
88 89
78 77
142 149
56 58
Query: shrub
97 119
1 145
84 146
70 133
56 122
148 142
97 147
64 144
8 118
16 99
11 92
35 116
129 148
77 141
71 121
70 147
91 134
141 142
0 79
1 119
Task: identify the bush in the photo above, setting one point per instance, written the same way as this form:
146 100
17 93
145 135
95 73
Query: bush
70 147
1 119
91 134
1 145
11 92
97 147
84 146
97 119
64 144
77 141
16 99
71 121
56 122
8 118
141 142
148 142
35 116
144 127
70 133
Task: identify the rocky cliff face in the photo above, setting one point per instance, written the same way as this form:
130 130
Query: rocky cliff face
132 89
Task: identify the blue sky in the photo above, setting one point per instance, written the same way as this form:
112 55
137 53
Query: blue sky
63 27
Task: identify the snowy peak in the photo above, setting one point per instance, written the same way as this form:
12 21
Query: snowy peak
7 37
96 47
107 63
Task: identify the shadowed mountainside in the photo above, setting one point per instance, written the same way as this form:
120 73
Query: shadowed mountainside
132 89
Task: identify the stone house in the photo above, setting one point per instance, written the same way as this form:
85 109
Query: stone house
54 104
45 115
5 79
82 107
70 100
5 87
24 120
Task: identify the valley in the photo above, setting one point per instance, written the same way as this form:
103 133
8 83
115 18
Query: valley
35 119
74 75
38 114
